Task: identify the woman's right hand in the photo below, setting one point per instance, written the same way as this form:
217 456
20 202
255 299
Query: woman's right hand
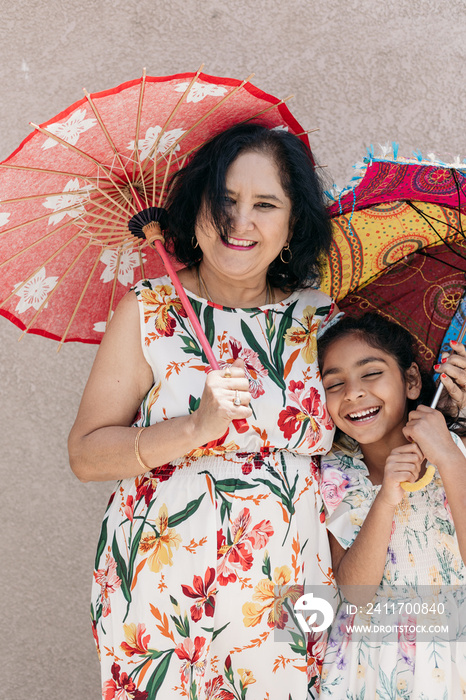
403 464
217 408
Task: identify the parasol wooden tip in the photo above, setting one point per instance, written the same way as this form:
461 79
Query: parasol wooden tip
153 232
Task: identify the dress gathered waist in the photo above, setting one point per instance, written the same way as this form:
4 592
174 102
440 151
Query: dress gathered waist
234 464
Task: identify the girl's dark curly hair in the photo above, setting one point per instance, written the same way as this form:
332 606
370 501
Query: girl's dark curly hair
203 180
382 334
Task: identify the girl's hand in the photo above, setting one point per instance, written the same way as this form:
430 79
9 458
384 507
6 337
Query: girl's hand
453 376
217 408
403 464
428 429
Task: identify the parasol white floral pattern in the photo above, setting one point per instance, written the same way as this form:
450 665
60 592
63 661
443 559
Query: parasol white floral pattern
201 90
168 139
126 261
4 217
70 130
101 326
62 201
35 291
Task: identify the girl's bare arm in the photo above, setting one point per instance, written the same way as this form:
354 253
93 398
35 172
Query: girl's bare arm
359 569
428 428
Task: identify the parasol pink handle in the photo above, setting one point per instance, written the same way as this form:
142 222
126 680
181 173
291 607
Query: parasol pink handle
241 424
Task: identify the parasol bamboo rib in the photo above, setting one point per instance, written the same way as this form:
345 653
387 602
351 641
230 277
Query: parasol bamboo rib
41 218
52 292
86 156
92 180
27 197
120 205
37 269
48 171
109 139
167 169
141 262
79 152
32 245
212 110
143 169
71 222
136 159
164 129
49 259
115 280
81 297
204 116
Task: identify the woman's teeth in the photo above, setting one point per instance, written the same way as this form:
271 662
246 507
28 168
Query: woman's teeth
360 415
241 242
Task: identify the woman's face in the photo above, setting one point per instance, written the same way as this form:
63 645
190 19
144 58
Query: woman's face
260 215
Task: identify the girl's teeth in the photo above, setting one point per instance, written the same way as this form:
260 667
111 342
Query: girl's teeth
363 414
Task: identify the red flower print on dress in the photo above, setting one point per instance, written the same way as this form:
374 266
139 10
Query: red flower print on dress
108 581
238 555
310 410
129 508
316 645
213 690
193 655
252 366
204 594
121 687
135 643
147 485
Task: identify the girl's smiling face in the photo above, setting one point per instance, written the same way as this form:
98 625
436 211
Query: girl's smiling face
366 391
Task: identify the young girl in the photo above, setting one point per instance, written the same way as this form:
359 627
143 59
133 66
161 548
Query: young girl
398 556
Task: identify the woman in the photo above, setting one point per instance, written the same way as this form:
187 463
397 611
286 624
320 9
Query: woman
202 551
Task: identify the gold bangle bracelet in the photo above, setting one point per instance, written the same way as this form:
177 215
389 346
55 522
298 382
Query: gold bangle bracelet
136 451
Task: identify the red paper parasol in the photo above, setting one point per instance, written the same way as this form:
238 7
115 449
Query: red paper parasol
69 190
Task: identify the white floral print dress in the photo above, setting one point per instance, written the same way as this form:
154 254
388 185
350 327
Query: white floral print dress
395 647
199 560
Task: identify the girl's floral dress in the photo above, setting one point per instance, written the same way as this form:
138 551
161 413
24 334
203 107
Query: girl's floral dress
411 641
200 561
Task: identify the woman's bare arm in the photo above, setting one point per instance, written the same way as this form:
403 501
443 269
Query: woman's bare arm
101 442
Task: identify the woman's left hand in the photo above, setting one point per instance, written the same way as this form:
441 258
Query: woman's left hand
428 429
452 371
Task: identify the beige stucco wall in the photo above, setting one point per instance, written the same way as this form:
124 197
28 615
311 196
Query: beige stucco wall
364 71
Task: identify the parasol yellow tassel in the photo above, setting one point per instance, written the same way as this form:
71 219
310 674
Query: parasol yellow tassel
418 485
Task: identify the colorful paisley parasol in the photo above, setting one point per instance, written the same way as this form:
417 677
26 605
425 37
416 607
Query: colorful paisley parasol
400 247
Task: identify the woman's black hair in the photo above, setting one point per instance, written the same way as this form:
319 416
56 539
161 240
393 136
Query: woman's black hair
203 180
380 333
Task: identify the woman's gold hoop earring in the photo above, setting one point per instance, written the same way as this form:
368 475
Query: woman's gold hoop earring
194 242
287 250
